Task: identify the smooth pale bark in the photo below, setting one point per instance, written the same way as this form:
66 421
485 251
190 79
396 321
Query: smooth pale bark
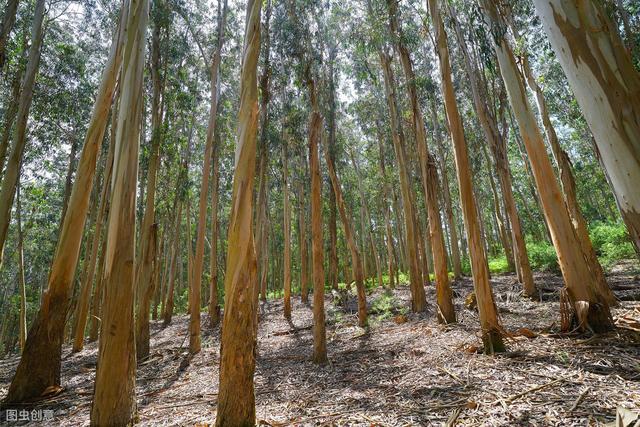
21 278
11 174
8 20
446 312
236 399
580 283
347 227
446 196
487 311
606 86
286 230
87 280
148 232
114 401
214 309
39 366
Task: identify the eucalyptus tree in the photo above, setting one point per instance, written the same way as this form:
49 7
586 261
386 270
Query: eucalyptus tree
605 84
236 398
39 366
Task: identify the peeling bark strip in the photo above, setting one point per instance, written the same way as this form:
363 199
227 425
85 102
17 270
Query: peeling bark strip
580 282
487 311
607 87
114 401
236 399
44 341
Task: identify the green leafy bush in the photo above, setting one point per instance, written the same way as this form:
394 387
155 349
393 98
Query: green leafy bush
542 256
611 243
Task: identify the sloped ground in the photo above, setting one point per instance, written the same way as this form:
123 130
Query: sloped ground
411 373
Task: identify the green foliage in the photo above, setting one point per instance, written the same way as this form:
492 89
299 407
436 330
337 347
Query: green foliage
498 264
385 306
611 243
542 256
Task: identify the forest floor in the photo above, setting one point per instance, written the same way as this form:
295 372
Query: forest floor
405 370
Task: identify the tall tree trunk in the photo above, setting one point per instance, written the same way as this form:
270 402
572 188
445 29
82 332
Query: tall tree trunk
173 266
96 308
71 167
304 251
418 300
10 178
87 279
605 84
319 329
590 309
214 308
236 399
347 226
489 124
148 232
286 229
9 117
446 195
487 311
8 20
568 183
21 278
261 215
114 401
499 219
387 211
429 171
39 367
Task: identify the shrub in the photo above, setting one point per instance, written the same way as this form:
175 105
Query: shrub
542 256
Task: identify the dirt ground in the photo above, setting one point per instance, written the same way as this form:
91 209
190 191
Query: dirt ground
397 373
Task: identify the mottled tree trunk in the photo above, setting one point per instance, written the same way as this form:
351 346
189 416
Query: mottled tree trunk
580 283
39 367
487 311
236 399
606 86
114 401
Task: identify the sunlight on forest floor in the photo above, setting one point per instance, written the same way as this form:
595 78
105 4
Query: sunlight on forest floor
404 371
